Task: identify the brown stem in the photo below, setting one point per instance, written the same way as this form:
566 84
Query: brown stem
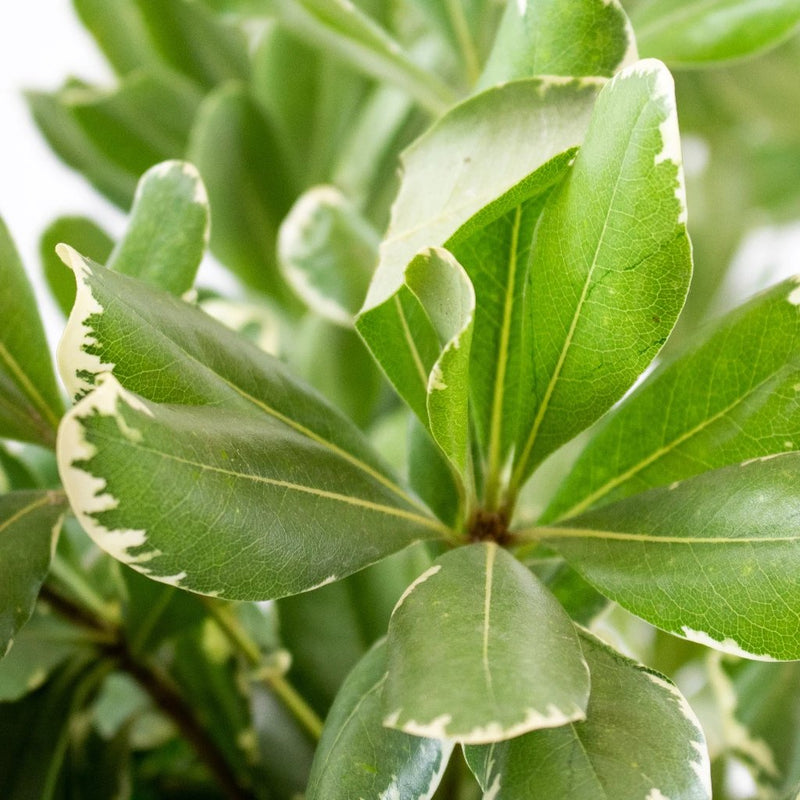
158 686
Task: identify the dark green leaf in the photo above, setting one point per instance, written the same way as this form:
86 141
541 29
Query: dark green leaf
547 37
281 512
730 397
611 263
29 524
30 405
709 558
640 740
460 638
358 757
249 184
688 33
86 237
168 228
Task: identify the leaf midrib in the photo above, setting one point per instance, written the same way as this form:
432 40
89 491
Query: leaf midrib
23 512
28 387
548 533
273 412
368 505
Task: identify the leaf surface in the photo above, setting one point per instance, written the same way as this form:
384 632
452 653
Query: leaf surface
167 229
358 757
546 37
30 404
29 524
687 33
640 739
223 502
732 396
327 252
610 266
479 651
710 558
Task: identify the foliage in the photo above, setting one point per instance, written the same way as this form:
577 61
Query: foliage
354 493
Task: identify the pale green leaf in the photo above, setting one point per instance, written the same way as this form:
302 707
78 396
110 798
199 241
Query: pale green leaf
280 512
548 37
195 41
341 28
640 740
461 637
29 524
168 228
358 757
611 263
327 252
85 236
475 165
120 31
42 645
690 33
709 558
732 396
249 185
30 404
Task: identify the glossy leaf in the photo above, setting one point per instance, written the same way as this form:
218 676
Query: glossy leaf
687 33
729 397
281 512
327 252
358 757
30 404
451 189
709 558
168 228
249 185
478 614
546 37
342 28
611 263
29 524
640 739
180 355
86 237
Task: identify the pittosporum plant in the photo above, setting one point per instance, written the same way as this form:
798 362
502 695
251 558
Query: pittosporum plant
535 261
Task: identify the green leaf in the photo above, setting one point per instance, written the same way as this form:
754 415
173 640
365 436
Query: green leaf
729 397
85 236
56 122
341 28
687 33
164 349
44 643
640 740
250 188
476 164
168 228
195 41
497 258
144 121
611 263
29 524
120 31
546 37
358 757
281 512
708 559
15 473
460 638
30 404
327 252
